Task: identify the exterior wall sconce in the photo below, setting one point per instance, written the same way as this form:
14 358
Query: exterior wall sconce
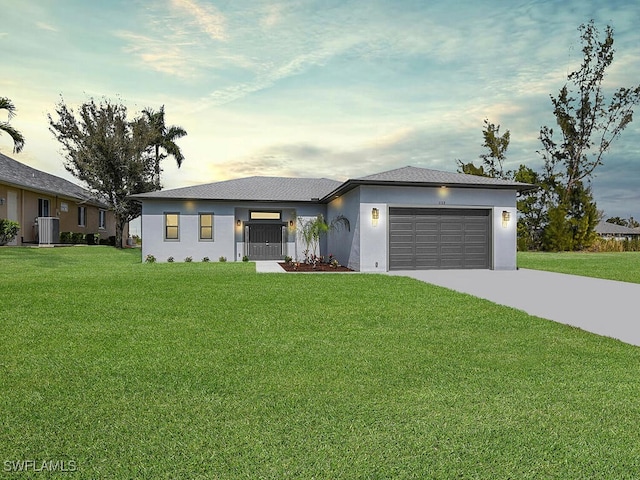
290 223
375 216
238 223
506 216
1 201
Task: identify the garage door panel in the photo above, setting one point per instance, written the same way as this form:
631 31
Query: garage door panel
427 238
431 238
448 238
475 239
427 250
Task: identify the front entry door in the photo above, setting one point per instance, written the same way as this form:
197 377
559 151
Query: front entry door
265 242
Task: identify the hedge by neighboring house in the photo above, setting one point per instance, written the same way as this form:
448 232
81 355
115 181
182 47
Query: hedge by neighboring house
32 198
620 232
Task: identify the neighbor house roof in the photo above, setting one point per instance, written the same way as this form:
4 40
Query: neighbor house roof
267 189
274 189
606 228
21 175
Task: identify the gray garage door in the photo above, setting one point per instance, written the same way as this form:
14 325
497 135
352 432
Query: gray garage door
436 238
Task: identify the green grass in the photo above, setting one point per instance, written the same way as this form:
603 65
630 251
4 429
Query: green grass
200 370
622 266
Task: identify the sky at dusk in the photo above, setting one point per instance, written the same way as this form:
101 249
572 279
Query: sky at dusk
336 89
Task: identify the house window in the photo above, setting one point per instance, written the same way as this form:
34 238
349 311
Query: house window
206 226
265 215
102 219
82 216
171 226
43 207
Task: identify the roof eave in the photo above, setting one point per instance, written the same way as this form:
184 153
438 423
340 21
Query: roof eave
54 193
353 183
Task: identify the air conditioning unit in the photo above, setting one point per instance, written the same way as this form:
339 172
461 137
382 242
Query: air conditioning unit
48 230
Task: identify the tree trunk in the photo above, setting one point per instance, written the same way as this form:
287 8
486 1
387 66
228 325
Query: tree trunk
120 223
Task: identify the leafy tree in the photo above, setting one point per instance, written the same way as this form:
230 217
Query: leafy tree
163 139
492 161
108 153
631 223
497 145
16 136
617 221
471 169
532 215
588 125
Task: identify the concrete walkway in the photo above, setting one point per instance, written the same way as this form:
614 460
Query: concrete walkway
268 266
604 307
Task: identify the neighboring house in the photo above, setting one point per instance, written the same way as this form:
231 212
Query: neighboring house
27 195
408 218
619 232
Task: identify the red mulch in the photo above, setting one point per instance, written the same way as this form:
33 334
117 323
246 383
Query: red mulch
307 267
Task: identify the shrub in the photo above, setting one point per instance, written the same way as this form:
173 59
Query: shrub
245 258
112 240
205 259
222 259
77 238
170 260
65 237
188 259
150 259
8 230
287 259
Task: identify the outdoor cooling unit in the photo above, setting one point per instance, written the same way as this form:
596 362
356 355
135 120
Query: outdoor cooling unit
48 230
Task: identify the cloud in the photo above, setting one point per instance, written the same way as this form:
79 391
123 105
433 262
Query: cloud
46 26
207 17
160 55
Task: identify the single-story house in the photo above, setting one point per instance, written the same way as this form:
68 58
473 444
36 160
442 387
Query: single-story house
407 218
619 232
45 205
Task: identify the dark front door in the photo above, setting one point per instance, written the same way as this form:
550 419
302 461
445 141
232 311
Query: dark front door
265 242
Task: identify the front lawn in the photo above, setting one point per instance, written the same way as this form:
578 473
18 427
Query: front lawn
209 370
622 266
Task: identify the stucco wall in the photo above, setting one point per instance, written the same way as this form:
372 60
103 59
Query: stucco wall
228 236
374 238
345 244
26 209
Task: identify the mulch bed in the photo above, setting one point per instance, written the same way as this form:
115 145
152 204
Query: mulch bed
307 267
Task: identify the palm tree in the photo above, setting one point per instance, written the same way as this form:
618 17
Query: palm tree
16 136
163 139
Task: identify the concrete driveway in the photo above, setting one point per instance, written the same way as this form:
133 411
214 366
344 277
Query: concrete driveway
604 307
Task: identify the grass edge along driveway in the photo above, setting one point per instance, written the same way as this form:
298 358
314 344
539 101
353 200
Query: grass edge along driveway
198 370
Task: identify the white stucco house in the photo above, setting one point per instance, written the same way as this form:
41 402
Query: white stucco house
408 218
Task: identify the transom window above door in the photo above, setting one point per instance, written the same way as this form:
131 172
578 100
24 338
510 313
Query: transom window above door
266 215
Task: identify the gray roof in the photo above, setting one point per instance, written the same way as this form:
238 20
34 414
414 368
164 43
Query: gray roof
436 177
21 175
278 189
606 228
267 189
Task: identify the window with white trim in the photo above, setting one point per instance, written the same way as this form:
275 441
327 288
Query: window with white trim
43 207
102 219
82 216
